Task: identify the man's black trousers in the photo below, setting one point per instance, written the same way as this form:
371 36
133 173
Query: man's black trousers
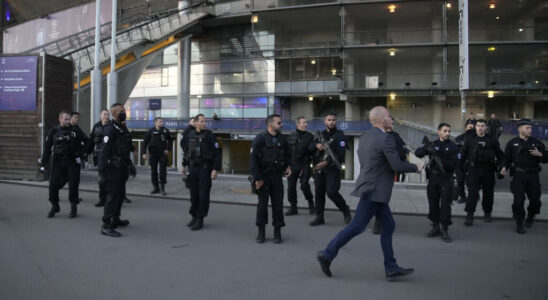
158 160
116 189
64 170
303 175
483 178
200 188
439 198
328 181
525 183
272 188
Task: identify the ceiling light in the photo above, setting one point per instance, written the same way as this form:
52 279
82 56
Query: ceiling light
448 5
520 30
334 71
392 96
498 18
313 61
492 5
392 52
310 98
491 49
536 81
392 8
254 19
490 94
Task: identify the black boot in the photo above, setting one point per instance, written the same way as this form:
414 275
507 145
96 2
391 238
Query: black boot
117 222
487 218
319 220
324 263
462 199
127 200
347 216
101 203
192 221
292 210
445 234
277 235
261 235
73 211
162 189
435 231
529 220
199 224
311 207
469 219
107 230
155 190
54 209
519 227
377 227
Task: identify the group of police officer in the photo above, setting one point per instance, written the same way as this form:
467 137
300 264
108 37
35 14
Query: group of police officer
473 161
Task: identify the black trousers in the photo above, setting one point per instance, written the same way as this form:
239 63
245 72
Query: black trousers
200 187
439 198
272 188
525 183
303 175
480 178
64 170
328 181
102 189
158 160
116 189
461 179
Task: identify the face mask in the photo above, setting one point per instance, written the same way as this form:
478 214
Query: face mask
122 116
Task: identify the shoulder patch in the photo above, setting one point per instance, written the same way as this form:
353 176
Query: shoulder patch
105 139
459 156
217 145
250 150
342 143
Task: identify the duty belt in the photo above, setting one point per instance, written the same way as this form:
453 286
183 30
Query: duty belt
527 170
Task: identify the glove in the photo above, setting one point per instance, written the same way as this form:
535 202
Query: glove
42 170
132 170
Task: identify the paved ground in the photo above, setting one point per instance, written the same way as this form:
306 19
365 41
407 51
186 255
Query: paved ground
406 198
159 258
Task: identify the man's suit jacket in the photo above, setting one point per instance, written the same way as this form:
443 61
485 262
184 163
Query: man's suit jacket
379 161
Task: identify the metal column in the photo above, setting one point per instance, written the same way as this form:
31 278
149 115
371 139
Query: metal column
96 76
463 56
183 83
112 77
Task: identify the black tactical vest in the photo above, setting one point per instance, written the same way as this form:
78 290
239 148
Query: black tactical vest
483 152
158 139
123 141
298 145
272 155
65 142
199 150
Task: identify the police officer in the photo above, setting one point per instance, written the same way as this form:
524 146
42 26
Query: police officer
115 165
158 142
96 136
522 157
469 130
66 144
327 175
495 126
483 155
440 180
269 160
298 142
203 160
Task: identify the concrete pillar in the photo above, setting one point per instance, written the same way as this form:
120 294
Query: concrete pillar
355 156
437 107
352 110
183 83
96 76
226 157
112 77
528 109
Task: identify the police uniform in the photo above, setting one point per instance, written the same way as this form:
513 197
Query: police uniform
157 141
66 144
114 165
202 156
440 183
328 179
96 136
525 169
301 157
461 171
482 155
268 160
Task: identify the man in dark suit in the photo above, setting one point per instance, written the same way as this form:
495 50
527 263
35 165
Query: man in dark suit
379 160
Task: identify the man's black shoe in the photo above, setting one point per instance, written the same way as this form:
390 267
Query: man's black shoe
324 264
311 207
73 212
100 204
519 227
108 231
529 221
80 200
126 200
261 235
163 189
291 211
192 221
277 235
155 190
487 218
54 209
461 200
398 272
469 220
435 231
317 221
199 224
347 216
377 227
445 234
117 222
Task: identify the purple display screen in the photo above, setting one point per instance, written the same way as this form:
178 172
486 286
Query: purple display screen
18 83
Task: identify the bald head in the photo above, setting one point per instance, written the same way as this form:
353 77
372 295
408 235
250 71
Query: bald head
378 114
